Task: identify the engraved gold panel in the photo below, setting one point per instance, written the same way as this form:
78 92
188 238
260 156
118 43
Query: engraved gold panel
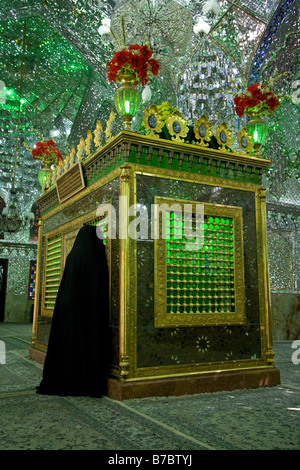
70 182
199 284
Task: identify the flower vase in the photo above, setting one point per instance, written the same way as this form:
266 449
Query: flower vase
258 130
44 174
127 99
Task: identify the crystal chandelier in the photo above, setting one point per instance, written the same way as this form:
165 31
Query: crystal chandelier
10 220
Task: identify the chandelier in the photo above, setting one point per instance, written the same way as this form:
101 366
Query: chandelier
165 25
10 220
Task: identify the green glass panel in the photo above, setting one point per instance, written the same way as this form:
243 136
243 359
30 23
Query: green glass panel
198 269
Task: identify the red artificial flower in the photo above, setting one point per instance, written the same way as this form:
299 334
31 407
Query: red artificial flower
58 154
237 100
258 94
137 59
47 151
144 51
40 146
118 61
255 97
239 105
34 153
155 66
251 102
273 102
239 110
121 58
38 149
253 87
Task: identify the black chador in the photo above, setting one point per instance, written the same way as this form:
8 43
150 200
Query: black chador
76 360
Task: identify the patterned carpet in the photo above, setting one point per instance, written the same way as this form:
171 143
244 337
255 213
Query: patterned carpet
261 419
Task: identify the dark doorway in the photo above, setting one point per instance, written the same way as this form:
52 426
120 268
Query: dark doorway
3 282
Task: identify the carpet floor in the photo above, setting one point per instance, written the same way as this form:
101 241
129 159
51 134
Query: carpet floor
260 419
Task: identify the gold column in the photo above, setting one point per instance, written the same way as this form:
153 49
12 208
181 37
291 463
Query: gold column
263 269
125 179
37 283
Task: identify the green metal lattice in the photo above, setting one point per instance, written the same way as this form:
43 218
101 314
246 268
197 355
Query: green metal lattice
53 270
200 278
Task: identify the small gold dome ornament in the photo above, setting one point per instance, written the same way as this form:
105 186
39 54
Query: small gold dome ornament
177 126
98 134
224 136
110 126
245 141
203 131
153 121
80 149
73 155
88 143
67 163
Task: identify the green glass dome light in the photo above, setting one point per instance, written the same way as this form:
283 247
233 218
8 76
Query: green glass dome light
258 130
127 101
43 175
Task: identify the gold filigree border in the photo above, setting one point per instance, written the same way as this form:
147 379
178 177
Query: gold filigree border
162 319
188 370
193 178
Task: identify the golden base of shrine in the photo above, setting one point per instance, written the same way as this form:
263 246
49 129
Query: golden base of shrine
191 385
210 382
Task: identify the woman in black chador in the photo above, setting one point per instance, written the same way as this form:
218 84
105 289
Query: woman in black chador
76 360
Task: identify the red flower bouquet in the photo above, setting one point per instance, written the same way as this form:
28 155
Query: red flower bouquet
47 153
136 60
258 100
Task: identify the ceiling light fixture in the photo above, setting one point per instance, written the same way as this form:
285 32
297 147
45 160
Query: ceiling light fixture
10 220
